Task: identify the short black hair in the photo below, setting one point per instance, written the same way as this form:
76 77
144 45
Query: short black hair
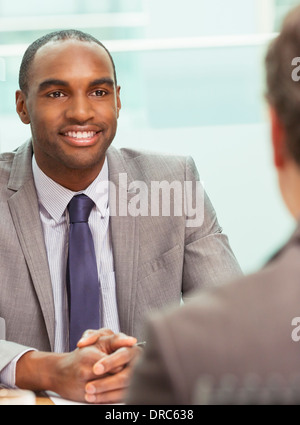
70 34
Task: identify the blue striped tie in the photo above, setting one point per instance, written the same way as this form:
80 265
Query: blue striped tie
82 275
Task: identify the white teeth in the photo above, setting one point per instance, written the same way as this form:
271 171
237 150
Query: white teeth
81 134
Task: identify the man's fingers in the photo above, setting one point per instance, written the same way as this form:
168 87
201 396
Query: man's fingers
106 340
109 397
91 336
115 361
117 341
109 389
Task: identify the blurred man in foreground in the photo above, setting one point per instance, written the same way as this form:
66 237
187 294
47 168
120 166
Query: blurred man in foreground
77 250
246 333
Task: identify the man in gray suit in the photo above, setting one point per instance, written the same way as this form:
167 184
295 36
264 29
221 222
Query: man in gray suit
239 343
146 257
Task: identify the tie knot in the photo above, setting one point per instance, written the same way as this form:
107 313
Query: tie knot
79 208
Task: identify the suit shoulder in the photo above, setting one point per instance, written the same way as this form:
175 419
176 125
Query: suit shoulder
150 155
9 163
7 157
161 166
6 161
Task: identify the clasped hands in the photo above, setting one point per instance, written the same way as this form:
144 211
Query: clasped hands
97 371
107 378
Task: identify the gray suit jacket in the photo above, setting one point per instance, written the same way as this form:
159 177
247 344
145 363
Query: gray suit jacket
242 331
155 258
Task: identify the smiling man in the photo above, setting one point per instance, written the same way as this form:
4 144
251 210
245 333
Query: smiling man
49 292
72 106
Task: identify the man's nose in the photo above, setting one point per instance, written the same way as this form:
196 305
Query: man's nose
80 109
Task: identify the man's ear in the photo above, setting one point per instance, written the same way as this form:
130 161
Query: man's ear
278 139
21 107
118 100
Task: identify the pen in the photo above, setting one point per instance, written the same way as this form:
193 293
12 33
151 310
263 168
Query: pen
140 344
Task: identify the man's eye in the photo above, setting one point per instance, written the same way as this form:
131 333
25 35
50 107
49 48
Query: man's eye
99 93
56 94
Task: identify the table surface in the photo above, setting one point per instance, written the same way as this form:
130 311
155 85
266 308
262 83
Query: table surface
44 401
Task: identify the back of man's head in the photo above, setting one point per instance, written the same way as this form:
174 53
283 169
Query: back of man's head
283 82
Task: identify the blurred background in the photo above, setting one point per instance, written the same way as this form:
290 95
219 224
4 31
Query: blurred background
192 83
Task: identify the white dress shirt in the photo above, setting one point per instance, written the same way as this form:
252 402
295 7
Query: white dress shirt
53 200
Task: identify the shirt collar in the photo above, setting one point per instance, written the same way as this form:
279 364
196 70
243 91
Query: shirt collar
55 198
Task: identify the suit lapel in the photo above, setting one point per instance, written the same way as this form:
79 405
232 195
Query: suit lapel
125 239
24 210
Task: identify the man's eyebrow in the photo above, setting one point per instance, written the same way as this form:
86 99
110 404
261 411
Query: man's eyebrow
101 81
52 82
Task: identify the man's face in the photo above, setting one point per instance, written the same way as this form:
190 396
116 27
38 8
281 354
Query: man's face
72 106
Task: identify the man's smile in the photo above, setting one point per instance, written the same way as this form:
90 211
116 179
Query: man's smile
84 136
81 134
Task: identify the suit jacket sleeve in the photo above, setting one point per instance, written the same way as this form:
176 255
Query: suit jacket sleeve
173 256
208 258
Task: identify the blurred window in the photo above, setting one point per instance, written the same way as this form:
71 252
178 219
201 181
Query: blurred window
192 83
